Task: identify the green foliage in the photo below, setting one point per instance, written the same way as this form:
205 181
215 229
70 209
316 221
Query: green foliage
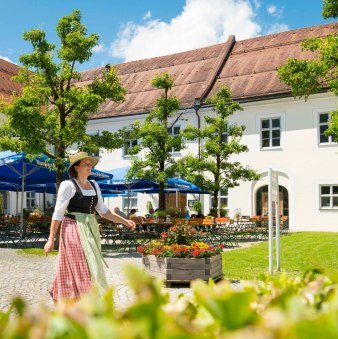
181 234
52 112
174 212
330 9
157 140
197 206
273 308
149 206
215 170
310 76
160 214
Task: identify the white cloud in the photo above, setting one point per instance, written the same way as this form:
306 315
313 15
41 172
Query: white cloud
98 48
257 4
147 16
274 11
276 28
7 59
201 23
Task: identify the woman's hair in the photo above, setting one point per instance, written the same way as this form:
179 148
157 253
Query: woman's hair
72 171
132 211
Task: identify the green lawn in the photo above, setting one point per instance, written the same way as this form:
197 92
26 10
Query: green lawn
35 251
299 252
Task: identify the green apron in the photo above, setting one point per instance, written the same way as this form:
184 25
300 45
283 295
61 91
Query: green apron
91 244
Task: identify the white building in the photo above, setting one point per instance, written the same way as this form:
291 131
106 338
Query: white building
282 133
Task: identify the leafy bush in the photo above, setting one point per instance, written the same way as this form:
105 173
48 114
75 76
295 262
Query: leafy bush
194 250
178 242
272 308
160 214
197 206
174 212
180 234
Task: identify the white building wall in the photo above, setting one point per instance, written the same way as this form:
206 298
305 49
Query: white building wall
303 164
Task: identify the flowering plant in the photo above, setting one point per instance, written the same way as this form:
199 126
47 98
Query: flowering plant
180 234
178 242
194 250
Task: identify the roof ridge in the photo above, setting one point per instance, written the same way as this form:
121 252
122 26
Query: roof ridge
221 60
290 31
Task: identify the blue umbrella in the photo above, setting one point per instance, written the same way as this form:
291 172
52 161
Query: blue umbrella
119 182
19 170
173 185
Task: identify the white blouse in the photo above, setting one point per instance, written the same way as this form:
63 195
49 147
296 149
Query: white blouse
67 191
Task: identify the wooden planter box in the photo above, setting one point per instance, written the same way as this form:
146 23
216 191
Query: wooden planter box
183 270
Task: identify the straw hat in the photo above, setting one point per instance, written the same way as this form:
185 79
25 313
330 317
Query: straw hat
80 156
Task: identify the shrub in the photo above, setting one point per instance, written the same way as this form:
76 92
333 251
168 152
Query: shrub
273 308
180 234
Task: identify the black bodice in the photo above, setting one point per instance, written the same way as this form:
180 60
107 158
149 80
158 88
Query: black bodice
81 203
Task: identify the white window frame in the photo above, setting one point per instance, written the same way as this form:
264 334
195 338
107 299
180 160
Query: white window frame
126 148
30 200
133 201
173 135
331 195
317 114
270 116
222 194
271 129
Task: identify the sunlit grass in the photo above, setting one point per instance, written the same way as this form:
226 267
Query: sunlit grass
35 251
299 253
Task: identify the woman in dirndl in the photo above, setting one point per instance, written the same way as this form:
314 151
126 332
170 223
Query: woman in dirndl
81 262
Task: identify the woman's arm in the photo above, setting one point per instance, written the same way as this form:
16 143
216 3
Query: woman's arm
49 246
112 216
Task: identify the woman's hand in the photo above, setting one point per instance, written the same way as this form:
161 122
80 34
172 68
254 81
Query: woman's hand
49 246
130 224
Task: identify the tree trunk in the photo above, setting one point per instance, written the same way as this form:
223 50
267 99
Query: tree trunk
215 203
161 197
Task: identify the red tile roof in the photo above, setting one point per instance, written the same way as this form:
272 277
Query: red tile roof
7 85
247 67
251 69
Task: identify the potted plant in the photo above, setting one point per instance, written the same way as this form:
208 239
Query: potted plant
176 257
160 215
197 206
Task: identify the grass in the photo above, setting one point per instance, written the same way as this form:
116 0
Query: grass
299 253
35 251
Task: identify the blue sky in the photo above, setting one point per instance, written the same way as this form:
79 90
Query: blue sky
138 29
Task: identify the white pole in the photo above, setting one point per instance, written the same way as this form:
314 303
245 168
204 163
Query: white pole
277 235
270 221
22 193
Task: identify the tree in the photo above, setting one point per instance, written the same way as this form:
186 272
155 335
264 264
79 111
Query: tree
214 170
310 76
52 112
157 140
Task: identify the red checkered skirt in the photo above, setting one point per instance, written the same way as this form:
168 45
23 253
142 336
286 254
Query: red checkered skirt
72 276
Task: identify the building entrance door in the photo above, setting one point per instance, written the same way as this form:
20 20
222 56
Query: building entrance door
262 201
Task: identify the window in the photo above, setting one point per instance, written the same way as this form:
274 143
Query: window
175 132
324 120
30 200
270 132
132 201
128 144
329 196
223 196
